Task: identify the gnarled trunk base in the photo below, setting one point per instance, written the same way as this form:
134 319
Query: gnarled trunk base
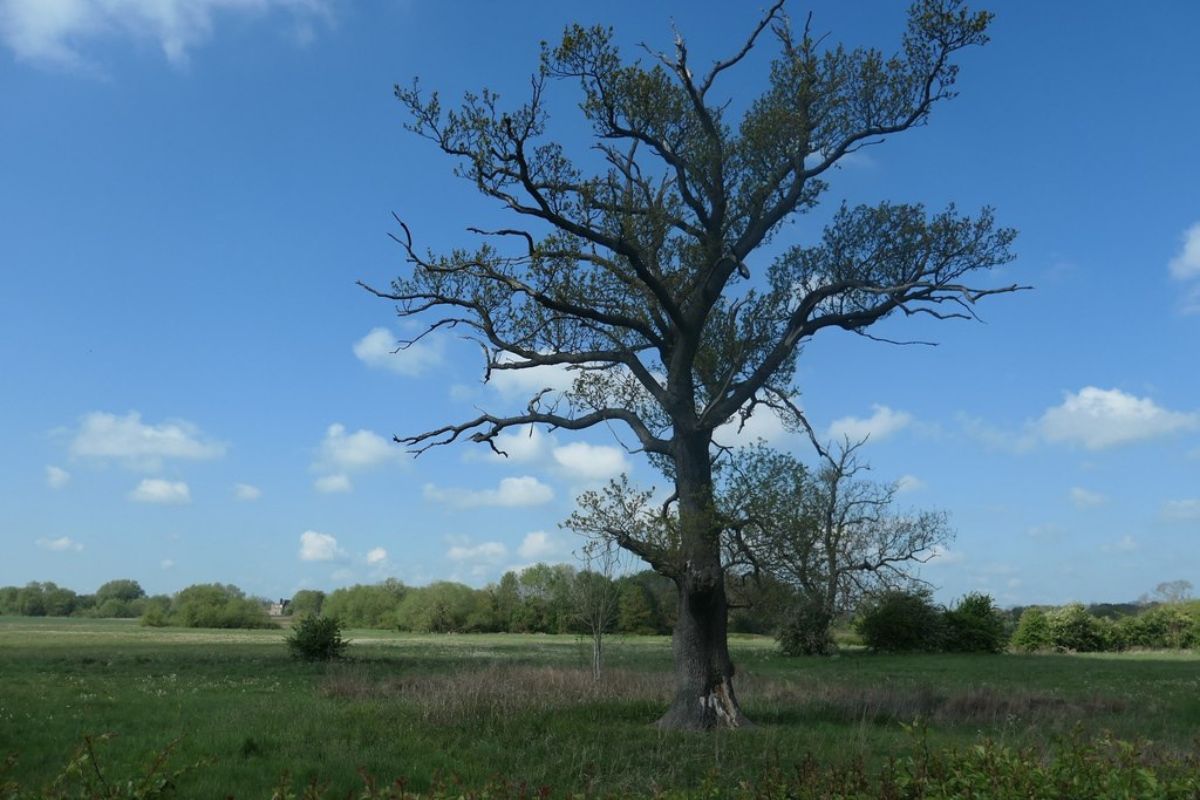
716 708
704 696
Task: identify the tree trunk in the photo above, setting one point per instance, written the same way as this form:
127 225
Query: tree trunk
597 653
704 696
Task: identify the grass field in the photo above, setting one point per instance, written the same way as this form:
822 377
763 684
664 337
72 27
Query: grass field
525 707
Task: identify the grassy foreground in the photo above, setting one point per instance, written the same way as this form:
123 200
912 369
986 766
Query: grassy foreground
526 708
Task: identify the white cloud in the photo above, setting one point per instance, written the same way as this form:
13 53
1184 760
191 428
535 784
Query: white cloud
53 32
764 423
880 425
1048 529
511 493
57 477
591 462
316 546
995 438
1126 544
166 563
377 556
1186 263
1099 418
360 450
156 490
909 483
539 545
942 556
491 552
529 381
380 349
333 484
244 491
480 559
1182 509
1082 498
127 439
62 544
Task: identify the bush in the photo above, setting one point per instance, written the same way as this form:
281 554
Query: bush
1160 628
807 630
1073 628
317 639
975 625
898 621
208 605
1033 631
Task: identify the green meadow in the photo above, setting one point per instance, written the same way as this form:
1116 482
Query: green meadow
472 707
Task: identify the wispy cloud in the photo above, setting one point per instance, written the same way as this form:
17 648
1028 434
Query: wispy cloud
511 493
57 477
156 490
63 544
381 350
139 445
58 33
540 545
246 492
477 559
1126 544
1186 263
1083 498
333 484
1181 510
882 423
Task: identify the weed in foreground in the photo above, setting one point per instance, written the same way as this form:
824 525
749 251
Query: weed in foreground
1100 768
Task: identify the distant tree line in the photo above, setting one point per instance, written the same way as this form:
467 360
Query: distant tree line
123 598
544 598
1078 628
909 621
550 598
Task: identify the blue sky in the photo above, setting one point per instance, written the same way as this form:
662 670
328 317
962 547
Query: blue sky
195 390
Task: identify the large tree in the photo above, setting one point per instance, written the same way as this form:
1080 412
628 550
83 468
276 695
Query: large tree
637 264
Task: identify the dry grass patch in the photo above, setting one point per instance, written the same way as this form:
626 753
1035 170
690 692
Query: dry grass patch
885 703
502 691
499 690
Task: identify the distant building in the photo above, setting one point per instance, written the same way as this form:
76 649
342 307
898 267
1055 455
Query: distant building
279 609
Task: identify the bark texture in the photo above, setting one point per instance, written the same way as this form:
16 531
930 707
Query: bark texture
704 694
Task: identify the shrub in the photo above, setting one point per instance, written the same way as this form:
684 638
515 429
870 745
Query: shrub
807 630
975 625
208 605
317 639
899 621
1073 628
1160 628
1033 631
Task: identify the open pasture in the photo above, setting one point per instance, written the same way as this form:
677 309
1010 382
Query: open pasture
525 707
